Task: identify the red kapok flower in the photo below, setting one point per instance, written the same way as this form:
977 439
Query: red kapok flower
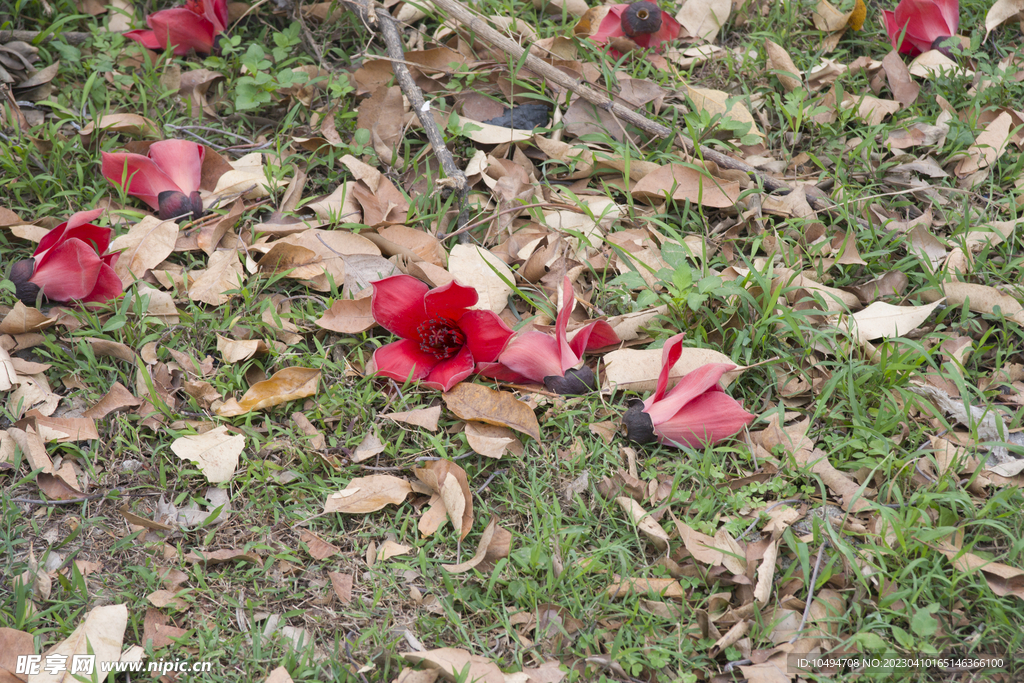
927 23
167 178
537 357
70 264
697 410
642 22
192 27
442 340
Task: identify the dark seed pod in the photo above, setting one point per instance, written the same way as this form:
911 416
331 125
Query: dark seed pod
574 382
27 292
178 206
641 19
639 427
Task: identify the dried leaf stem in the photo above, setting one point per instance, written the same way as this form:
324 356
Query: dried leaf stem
70 37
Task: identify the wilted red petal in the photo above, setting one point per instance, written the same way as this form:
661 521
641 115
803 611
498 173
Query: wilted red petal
183 30
500 372
181 161
450 372
929 19
77 227
701 381
611 25
670 353
894 32
81 218
486 334
67 271
595 335
145 37
403 360
709 418
145 179
533 355
217 12
449 301
397 305
108 286
565 352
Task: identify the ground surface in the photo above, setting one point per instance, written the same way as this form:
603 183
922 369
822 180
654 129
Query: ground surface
937 570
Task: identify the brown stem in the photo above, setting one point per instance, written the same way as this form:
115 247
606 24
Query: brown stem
70 37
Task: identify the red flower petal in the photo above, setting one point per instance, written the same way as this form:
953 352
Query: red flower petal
486 334
449 301
534 355
568 358
181 161
77 226
501 372
402 360
81 218
594 336
67 271
217 12
183 30
669 31
108 286
145 38
708 418
611 25
397 305
670 353
145 179
693 384
450 372
894 32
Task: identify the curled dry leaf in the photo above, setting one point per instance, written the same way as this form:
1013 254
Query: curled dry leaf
648 527
421 417
476 267
147 244
502 408
23 319
495 543
666 588
638 369
452 662
100 634
492 440
368 494
389 549
348 316
885 320
215 452
450 482
682 183
285 385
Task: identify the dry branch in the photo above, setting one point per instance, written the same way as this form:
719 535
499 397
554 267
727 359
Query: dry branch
70 37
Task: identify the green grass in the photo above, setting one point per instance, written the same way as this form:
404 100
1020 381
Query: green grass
899 595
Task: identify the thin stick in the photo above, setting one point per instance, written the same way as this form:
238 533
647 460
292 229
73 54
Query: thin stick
70 37
456 182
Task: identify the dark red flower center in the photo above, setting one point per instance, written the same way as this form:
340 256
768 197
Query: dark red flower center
441 337
195 6
641 19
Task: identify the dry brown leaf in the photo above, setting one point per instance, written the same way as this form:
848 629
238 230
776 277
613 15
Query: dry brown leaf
683 183
476 267
984 299
118 398
885 320
368 494
477 402
215 452
495 543
988 146
492 440
23 319
782 67
452 662
451 484
871 110
1001 12
1002 579
665 588
717 102
100 634
389 549
318 547
648 527
709 550
223 274
147 244
127 124
239 350
285 385
342 585
222 557
703 18
903 87
348 316
421 417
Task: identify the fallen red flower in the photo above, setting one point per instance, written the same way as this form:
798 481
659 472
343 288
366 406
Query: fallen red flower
642 22
927 22
537 357
167 178
192 27
696 411
442 339
70 264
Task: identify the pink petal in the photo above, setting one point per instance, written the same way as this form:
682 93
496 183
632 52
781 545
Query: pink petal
486 334
82 217
927 20
611 25
182 29
568 358
67 271
450 372
77 226
145 38
217 12
145 179
534 355
706 419
108 286
397 305
449 301
596 335
402 360
501 372
181 161
670 353
693 384
894 32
